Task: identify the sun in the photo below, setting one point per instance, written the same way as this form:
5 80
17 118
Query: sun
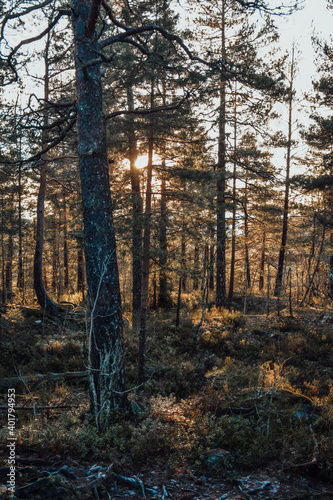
141 161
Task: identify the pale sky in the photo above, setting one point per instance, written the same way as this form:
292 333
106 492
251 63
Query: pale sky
300 26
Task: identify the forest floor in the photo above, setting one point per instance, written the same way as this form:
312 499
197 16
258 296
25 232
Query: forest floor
243 409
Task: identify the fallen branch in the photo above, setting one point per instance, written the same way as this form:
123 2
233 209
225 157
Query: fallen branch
132 481
49 377
37 408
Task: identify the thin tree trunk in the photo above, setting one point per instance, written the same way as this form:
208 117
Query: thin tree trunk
268 285
59 263
316 268
221 187
246 235
146 251
233 228
65 248
179 301
312 249
290 294
20 270
278 282
262 261
9 267
331 277
196 263
205 267
183 257
54 283
136 218
43 299
80 267
3 253
163 297
211 267
10 254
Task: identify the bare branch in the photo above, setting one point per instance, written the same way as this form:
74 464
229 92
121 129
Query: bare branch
70 190
123 26
23 13
10 63
109 12
47 148
121 37
261 5
149 111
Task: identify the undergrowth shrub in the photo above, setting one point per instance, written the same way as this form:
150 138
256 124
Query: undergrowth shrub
189 300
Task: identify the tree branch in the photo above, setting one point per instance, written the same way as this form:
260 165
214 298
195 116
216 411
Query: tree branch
261 5
10 63
23 13
121 37
93 18
149 111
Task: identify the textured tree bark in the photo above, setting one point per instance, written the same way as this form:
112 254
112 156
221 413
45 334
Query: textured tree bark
106 350
136 218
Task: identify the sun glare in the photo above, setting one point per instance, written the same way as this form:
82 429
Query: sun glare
141 161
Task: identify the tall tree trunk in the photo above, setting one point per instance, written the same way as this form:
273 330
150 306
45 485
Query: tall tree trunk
136 218
211 266
54 283
233 228
65 247
330 273
196 261
164 299
59 263
10 254
106 350
205 267
246 235
183 257
80 267
3 252
9 267
43 299
221 187
146 250
279 276
262 261
20 269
